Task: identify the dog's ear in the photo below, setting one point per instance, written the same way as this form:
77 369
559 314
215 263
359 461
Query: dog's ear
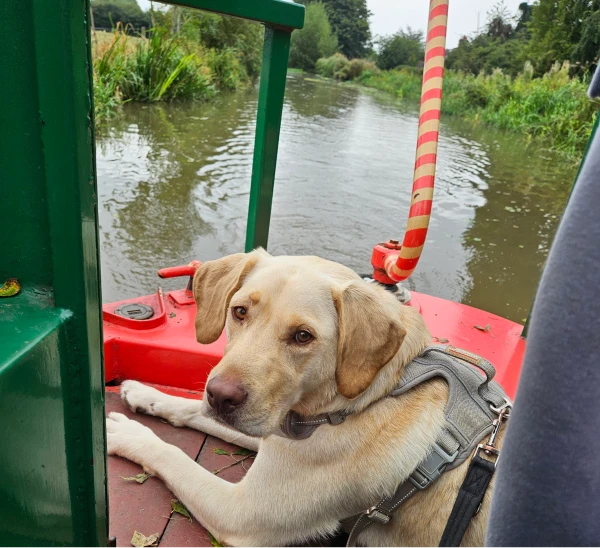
215 282
370 334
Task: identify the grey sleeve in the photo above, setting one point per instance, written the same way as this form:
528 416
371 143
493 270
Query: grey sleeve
548 481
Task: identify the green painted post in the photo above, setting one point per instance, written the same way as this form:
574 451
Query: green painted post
268 123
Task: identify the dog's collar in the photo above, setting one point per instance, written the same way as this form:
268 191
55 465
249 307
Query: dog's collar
297 427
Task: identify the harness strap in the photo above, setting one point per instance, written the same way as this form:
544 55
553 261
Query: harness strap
426 473
380 513
468 501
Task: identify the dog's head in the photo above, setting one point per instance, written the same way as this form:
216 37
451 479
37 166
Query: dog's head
301 332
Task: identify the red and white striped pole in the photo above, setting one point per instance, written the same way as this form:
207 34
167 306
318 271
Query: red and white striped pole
393 262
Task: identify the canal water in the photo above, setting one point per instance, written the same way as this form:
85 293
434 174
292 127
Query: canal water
174 186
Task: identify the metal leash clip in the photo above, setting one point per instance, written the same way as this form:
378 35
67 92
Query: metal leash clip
489 448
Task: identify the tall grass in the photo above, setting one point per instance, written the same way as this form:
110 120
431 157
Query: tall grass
554 108
159 68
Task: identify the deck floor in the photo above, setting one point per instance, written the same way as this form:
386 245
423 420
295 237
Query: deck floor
147 507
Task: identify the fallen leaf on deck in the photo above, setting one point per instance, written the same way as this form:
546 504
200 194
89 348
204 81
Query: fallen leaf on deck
140 478
172 315
213 540
142 540
178 507
10 288
486 328
242 451
222 452
443 341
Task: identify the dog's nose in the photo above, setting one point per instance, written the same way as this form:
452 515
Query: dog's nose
225 395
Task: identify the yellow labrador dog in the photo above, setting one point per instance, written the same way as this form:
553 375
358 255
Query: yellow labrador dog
308 335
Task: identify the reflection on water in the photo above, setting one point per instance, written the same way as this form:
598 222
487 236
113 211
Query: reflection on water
174 186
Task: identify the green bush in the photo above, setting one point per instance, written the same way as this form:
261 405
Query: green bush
227 70
314 41
227 34
331 67
403 48
339 67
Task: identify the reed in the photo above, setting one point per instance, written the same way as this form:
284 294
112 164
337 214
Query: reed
158 68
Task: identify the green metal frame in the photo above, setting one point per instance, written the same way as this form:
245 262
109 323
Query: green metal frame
52 454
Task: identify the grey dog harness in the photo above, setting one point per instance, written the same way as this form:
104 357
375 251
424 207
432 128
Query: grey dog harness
475 403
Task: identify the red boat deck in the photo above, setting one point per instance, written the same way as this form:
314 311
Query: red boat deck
163 351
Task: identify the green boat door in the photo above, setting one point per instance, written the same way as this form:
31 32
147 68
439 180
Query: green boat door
52 440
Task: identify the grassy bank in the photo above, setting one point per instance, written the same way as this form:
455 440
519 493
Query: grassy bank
158 68
553 108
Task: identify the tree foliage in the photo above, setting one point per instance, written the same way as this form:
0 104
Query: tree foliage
565 30
233 36
403 48
107 13
350 22
543 33
314 41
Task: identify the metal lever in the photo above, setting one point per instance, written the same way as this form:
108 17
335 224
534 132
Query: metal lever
182 270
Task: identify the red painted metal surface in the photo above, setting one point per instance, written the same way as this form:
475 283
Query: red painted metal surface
163 349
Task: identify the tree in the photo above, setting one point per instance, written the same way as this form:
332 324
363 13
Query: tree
587 49
526 11
403 48
555 29
498 22
350 22
107 13
314 41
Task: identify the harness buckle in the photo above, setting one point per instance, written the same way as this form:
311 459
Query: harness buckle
375 514
432 467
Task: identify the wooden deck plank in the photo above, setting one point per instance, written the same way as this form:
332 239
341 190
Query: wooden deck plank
142 507
182 532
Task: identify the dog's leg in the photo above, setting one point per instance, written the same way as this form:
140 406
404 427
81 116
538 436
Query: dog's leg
180 412
267 508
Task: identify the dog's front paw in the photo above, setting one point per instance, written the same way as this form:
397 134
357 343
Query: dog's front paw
145 399
139 397
129 439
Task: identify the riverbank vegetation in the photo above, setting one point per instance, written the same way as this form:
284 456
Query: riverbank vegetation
184 55
553 108
527 73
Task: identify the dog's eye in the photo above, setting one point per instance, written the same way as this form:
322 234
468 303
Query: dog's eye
303 337
239 312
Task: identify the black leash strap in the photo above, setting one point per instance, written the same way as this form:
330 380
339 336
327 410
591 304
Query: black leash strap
468 500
